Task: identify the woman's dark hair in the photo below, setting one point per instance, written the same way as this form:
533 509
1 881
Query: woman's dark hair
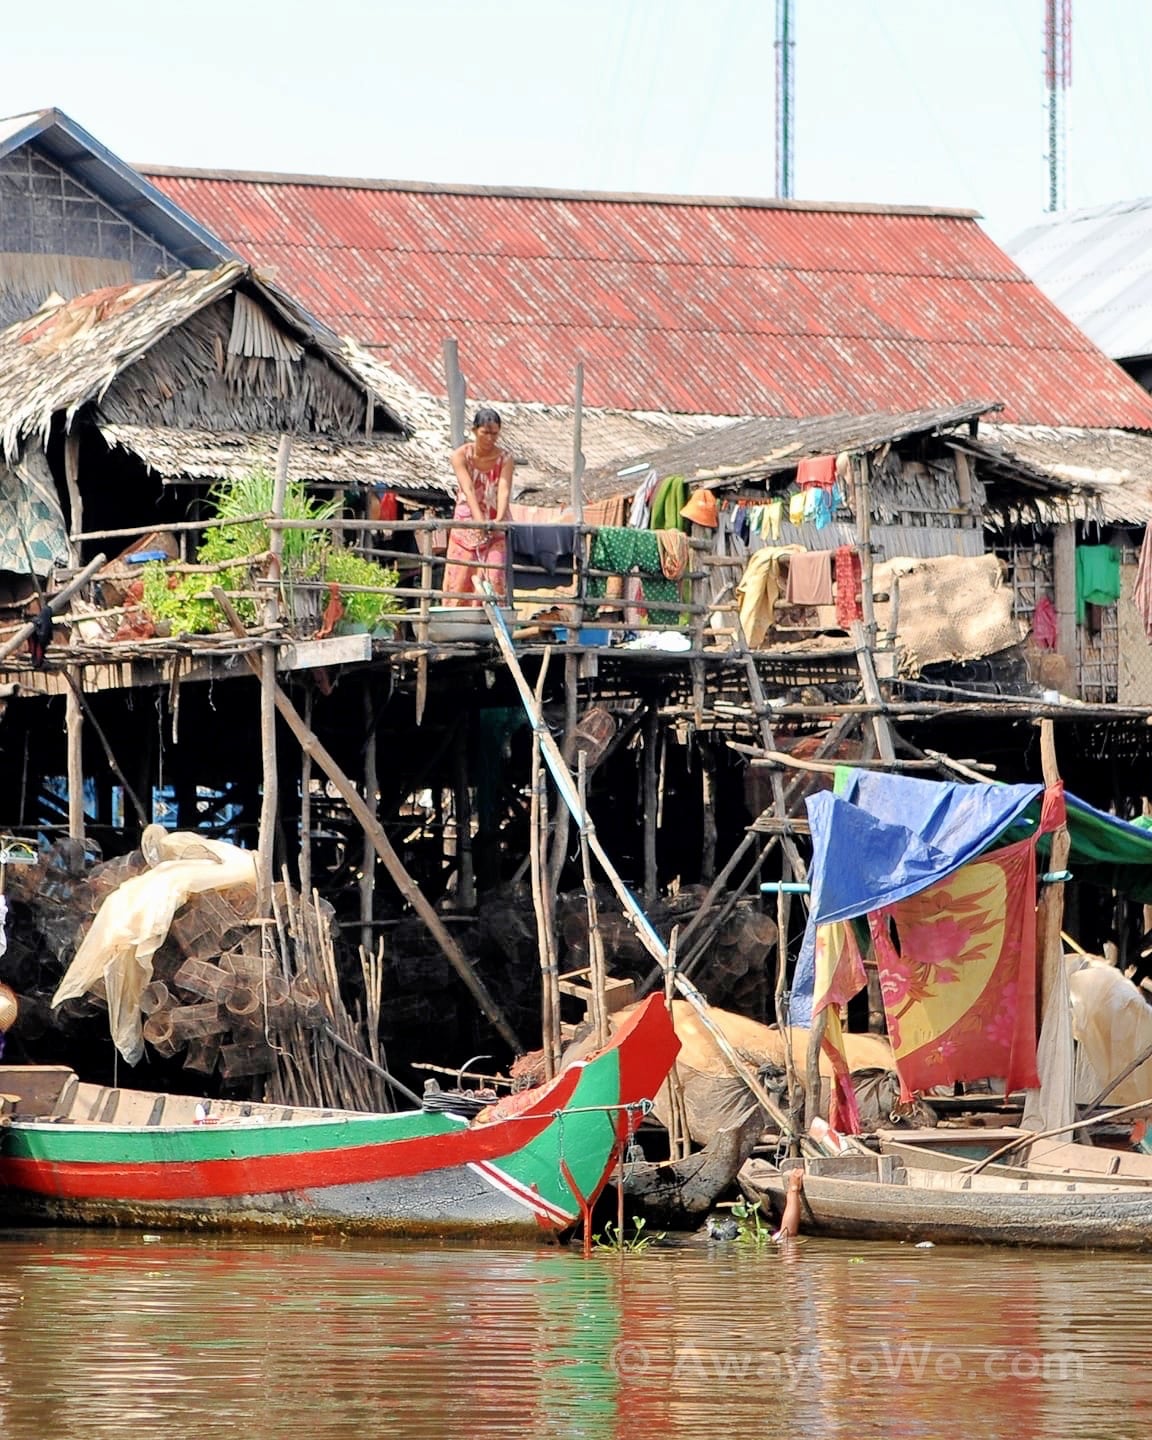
485 416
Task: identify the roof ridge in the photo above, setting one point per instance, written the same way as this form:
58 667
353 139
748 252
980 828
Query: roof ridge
529 192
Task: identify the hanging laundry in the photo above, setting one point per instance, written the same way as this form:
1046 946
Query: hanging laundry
848 582
1045 625
621 551
759 590
670 498
818 507
1097 577
796 508
773 515
817 470
673 553
642 503
810 578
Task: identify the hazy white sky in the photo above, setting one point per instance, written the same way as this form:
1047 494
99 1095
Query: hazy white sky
921 101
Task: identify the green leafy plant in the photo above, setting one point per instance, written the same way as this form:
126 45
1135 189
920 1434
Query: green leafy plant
179 600
252 494
755 1226
617 1238
345 567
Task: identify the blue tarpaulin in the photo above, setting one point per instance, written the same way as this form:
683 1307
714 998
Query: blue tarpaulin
881 838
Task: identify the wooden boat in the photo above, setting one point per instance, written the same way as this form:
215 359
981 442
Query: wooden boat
525 1169
1034 1160
678 1194
862 1197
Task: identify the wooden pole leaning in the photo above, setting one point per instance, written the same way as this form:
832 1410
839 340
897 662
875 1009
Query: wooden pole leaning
568 791
392 863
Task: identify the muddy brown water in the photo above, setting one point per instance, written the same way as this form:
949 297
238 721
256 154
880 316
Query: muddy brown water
109 1334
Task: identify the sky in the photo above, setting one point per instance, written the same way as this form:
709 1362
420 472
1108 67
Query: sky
936 102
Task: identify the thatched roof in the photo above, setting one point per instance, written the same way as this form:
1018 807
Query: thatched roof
1111 469
229 454
540 436
72 353
734 454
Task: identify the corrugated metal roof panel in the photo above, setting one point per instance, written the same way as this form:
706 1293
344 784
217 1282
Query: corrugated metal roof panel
1095 264
695 307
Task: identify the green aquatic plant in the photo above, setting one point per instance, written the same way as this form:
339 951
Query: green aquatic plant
755 1227
617 1238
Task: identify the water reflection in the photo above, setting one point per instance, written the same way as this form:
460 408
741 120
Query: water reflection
105 1334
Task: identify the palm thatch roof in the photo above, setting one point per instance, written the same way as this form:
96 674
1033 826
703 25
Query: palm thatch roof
171 352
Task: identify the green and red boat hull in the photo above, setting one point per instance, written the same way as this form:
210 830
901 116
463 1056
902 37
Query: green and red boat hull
526 1172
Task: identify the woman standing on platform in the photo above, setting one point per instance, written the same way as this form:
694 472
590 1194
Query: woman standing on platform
484 491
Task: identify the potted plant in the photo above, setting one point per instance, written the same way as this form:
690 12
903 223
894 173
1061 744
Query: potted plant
363 613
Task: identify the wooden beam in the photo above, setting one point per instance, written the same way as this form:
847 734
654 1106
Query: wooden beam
392 863
74 719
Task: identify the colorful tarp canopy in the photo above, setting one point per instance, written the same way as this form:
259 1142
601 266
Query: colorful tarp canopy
881 838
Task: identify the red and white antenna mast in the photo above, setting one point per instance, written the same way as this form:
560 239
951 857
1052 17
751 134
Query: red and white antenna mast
1057 78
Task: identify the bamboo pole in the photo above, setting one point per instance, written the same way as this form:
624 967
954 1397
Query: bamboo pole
77 689
1053 1103
72 482
643 926
372 800
74 721
306 805
545 938
55 605
270 794
650 804
597 977
392 863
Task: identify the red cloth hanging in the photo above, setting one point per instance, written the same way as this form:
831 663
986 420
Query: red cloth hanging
848 580
817 470
1045 625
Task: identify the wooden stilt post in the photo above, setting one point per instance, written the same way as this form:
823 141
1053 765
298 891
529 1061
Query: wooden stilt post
306 806
72 483
368 856
270 796
707 809
462 804
545 934
1053 1104
392 862
650 803
597 975
74 719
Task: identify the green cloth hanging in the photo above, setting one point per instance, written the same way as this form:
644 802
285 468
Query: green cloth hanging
1097 577
622 550
670 498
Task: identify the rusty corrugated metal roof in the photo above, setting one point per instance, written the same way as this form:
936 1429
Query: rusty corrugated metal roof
724 307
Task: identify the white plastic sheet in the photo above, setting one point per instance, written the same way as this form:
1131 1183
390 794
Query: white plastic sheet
134 920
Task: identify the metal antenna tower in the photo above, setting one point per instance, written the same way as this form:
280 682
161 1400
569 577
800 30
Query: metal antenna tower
1057 78
786 95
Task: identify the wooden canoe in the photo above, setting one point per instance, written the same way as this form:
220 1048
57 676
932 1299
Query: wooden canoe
524 1169
862 1197
1034 1160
